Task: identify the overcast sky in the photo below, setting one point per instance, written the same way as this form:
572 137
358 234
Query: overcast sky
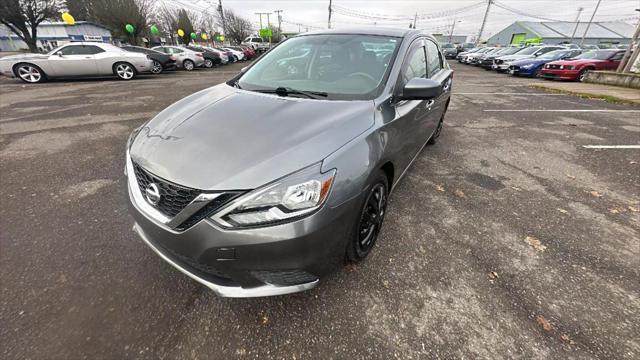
434 15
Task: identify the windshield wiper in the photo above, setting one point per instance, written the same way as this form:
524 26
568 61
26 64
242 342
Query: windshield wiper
286 91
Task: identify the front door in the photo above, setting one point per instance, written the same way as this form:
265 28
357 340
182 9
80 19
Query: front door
73 60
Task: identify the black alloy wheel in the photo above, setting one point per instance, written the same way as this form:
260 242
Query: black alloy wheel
370 220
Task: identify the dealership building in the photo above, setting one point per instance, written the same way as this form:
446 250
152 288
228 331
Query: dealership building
557 32
54 34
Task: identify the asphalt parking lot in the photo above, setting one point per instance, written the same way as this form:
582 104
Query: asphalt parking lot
507 239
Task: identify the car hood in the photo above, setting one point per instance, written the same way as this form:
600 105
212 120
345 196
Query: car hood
25 57
533 61
223 138
575 62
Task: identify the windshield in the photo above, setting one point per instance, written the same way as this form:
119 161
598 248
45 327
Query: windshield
342 66
447 46
511 51
529 50
597 55
553 55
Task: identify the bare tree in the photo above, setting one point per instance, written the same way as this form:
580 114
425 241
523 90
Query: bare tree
80 9
184 23
22 17
237 27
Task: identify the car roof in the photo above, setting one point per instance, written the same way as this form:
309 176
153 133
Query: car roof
373 30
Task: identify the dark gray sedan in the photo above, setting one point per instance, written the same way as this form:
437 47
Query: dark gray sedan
260 185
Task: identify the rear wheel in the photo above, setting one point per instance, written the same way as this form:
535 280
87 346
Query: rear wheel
29 73
156 68
436 134
188 65
124 71
369 223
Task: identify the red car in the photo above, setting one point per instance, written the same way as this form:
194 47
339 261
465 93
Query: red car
577 68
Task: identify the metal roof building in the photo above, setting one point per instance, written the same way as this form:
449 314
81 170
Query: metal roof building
455 39
54 34
559 32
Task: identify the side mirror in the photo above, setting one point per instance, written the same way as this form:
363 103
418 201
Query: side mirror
59 53
421 89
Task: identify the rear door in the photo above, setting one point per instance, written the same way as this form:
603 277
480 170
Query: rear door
74 60
437 70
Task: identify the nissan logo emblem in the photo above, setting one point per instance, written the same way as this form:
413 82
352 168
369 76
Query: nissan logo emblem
153 194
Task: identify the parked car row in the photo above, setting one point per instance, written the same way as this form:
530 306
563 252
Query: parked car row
91 59
559 62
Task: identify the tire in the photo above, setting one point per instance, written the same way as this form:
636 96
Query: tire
29 73
208 63
124 71
583 75
235 58
436 133
188 65
156 68
369 221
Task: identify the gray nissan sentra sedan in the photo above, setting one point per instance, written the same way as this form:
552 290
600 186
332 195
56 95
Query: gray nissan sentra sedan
260 185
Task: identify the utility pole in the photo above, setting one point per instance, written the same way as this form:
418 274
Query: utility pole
628 60
279 21
453 26
573 35
415 19
329 22
590 21
484 21
224 27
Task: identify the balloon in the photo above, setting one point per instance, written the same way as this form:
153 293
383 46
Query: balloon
68 19
130 29
204 36
221 37
180 32
154 30
194 36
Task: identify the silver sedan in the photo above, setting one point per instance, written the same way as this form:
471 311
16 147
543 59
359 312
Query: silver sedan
80 59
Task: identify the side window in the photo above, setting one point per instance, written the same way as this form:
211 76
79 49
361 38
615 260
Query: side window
92 49
617 56
416 65
434 58
70 50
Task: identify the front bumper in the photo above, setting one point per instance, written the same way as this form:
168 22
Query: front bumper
251 262
559 74
500 67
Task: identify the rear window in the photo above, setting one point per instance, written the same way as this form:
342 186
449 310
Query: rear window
596 55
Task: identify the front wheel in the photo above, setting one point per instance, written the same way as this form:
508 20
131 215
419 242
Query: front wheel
369 223
124 71
188 65
29 73
582 76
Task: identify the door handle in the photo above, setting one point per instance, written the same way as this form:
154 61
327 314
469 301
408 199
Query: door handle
87 57
430 104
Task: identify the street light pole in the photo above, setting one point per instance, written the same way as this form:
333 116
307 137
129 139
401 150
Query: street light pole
484 21
573 35
590 21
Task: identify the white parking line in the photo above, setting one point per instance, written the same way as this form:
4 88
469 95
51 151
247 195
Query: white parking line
561 110
611 146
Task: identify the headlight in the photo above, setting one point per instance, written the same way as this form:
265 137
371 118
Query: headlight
547 66
528 66
569 67
561 67
284 200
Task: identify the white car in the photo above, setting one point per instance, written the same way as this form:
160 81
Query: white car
186 59
256 43
502 63
239 55
76 59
